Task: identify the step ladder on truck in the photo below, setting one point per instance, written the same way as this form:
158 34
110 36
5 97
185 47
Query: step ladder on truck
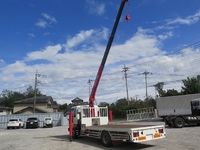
96 122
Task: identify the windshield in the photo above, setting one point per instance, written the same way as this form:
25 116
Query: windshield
48 119
13 120
32 118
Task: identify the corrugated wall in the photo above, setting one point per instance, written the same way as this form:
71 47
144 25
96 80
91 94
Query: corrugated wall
173 102
58 118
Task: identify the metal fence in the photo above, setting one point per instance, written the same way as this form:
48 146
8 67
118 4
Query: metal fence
58 118
143 113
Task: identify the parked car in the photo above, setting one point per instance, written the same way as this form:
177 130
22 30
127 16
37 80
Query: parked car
15 123
32 122
48 122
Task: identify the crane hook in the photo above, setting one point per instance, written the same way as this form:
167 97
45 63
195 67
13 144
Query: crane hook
128 18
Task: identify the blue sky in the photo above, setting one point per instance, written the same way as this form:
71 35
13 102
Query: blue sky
65 41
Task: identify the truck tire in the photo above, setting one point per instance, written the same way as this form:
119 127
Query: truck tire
179 122
106 139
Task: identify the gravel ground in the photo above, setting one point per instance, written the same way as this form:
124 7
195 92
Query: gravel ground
56 138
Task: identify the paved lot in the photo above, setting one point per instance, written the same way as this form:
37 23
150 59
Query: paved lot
56 138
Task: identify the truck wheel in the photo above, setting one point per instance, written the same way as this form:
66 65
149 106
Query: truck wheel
179 122
105 139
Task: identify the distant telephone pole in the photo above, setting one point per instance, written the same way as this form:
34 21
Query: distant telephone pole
90 85
125 69
36 74
146 73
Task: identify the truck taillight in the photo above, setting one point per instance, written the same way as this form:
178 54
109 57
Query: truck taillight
161 131
136 134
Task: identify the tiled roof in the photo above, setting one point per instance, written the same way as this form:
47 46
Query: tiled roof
43 99
4 107
77 99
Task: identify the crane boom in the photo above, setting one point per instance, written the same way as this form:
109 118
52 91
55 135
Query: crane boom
101 67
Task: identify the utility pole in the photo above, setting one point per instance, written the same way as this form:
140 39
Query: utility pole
35 92
146 73
90 85
125 69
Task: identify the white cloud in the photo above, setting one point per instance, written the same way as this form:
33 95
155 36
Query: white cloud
68 72
48 17
41 23
165 36
47 21
95 8
31 34
47 54
80 37
2 62
188 20
88 36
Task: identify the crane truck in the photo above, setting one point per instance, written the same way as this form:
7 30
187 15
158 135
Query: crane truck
96 122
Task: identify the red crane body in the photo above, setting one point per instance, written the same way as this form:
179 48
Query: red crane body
101 68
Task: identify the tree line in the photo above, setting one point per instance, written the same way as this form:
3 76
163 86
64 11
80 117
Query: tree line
190 86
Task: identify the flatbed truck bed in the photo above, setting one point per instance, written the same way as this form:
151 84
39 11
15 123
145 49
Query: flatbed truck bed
120 126
123 132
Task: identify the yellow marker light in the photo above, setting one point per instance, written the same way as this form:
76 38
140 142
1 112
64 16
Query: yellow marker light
156 136
142 138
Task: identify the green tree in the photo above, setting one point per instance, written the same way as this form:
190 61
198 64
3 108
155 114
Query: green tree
8 98
159 88
191 85
122 102
170 92
104 104
64 107
30 92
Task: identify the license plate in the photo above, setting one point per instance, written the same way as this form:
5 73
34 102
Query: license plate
31 123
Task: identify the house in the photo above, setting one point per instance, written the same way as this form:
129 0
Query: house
5 110
43 104
78 101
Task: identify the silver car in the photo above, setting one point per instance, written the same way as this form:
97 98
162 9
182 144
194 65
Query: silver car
48 122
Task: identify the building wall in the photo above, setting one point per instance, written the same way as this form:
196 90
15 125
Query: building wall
18 107
43 106
5 112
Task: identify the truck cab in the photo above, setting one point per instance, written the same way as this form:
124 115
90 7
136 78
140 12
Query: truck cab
180 121
89 116
195 107
85 116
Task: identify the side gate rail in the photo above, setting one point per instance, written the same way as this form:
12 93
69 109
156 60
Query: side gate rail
143 113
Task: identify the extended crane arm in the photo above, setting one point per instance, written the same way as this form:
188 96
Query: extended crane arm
99 73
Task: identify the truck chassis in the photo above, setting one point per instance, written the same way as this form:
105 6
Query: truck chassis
179 121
